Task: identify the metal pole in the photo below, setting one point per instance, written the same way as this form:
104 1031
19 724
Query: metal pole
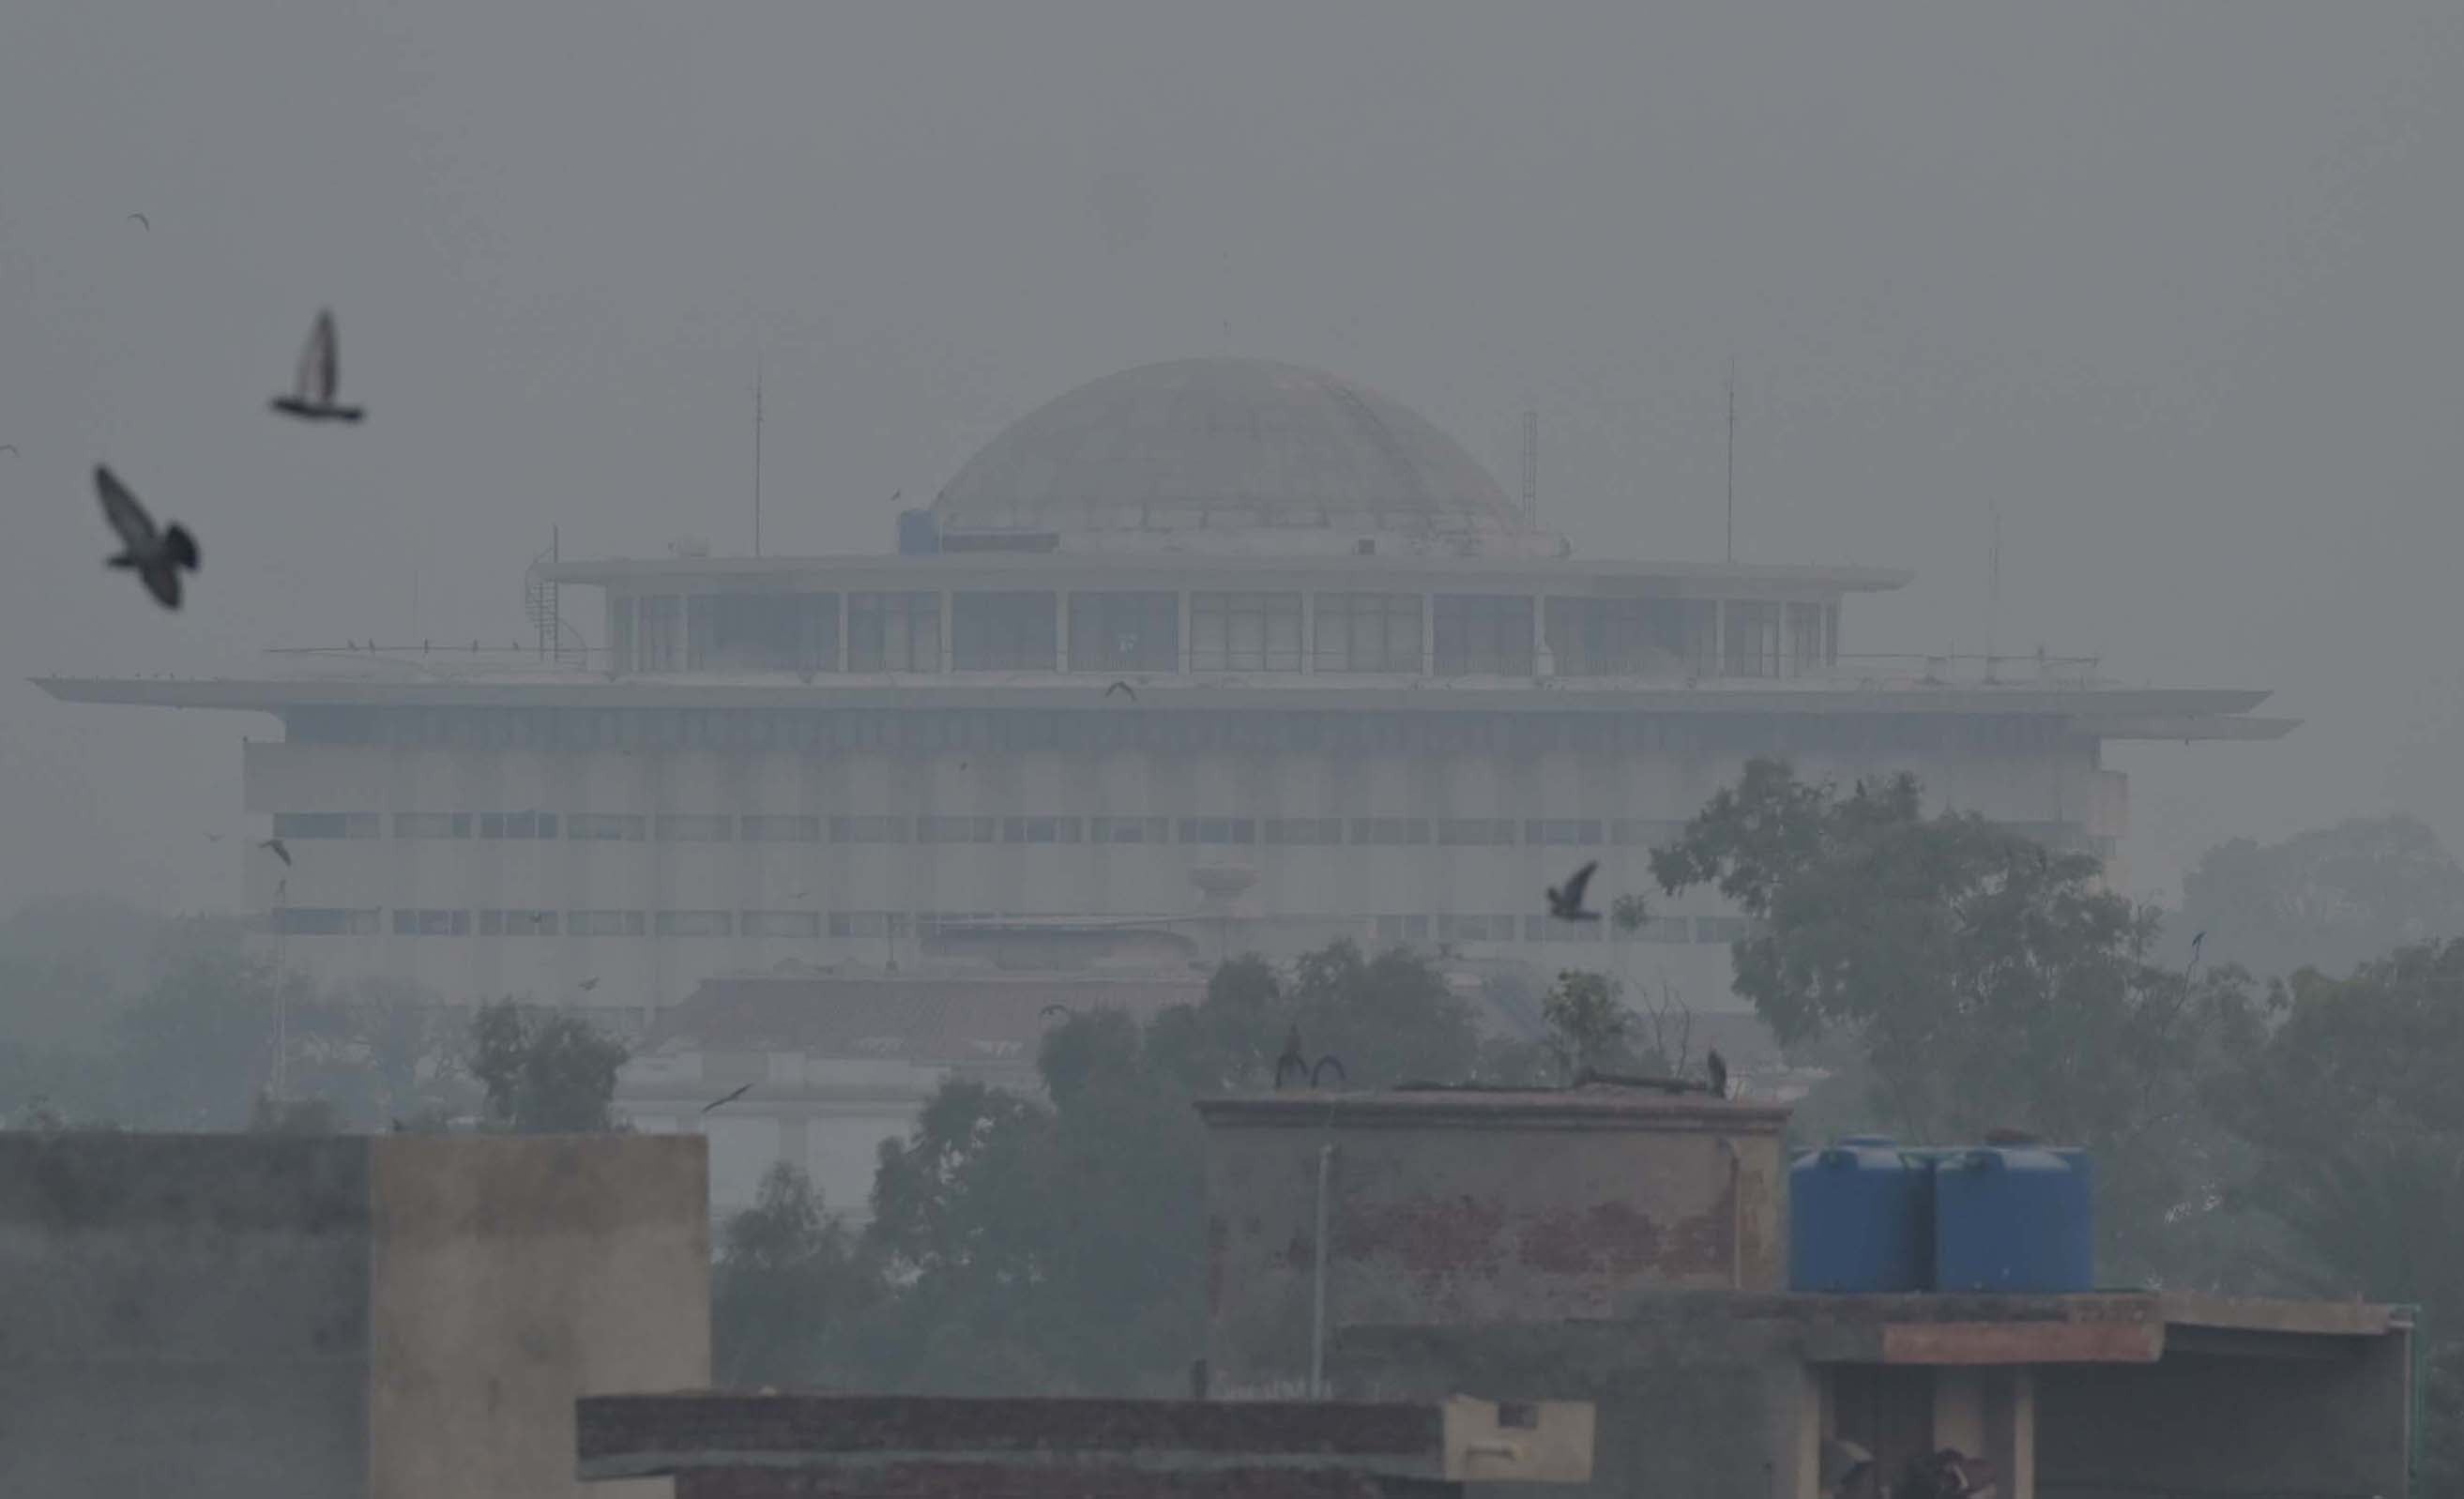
1317 1309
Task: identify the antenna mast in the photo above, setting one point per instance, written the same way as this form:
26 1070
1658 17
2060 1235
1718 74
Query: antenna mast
756 455
1531 469
1732 460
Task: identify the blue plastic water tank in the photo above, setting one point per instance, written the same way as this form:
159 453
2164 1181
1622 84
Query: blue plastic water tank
2014 1219
1859 1218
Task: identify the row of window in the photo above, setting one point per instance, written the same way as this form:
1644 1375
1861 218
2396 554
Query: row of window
1467 635
295 921
933 828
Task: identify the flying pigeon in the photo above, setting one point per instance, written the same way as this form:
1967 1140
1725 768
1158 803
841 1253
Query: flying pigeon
1122 687
730 1099
1566 901
278 849
156 556
1719 1069
142 219
587 985
1292 1061
10 449
319 369
1329 1059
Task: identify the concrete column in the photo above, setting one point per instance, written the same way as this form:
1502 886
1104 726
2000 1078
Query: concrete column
839 659
1060 629
1544 663
1180 601
1308 632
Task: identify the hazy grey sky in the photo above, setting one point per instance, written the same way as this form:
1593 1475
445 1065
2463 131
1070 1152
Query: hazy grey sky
2175 285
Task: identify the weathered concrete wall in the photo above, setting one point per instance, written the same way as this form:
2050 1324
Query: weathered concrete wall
2327 1421
182 1314
1691 1400
1467 1208
513 1275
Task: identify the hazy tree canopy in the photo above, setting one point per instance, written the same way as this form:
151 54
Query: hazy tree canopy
1986 982
786 1286
2327 899
549 1073
1590 1028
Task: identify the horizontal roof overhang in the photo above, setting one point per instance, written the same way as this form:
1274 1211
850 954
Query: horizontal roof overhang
1131 570
2123 1326
2109 712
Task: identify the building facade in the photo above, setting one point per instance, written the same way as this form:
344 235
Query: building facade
1203 657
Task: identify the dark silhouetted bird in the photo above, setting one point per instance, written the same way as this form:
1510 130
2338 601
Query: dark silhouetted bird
587 985
1124 687
1718 1067
155 556
320 369
1566 901
1293 1061
730 1099
10 449
142 219
1329 1059
278 849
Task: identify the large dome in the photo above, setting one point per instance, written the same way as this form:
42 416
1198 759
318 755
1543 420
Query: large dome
1223 447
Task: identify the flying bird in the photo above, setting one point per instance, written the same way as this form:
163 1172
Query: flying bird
1122 687
10 449
278 849
1566 901
1329 1059
1718 1066
730 1099
1054 1010
587 985
142 219
321 368
155 556
1292 1061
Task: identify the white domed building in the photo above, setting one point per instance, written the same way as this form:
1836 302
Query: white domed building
1203 657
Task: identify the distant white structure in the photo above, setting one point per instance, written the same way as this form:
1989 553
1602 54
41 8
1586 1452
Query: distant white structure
1199 657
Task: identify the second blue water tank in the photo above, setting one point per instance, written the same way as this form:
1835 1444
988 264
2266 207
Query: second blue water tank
2015 1219
1859 1218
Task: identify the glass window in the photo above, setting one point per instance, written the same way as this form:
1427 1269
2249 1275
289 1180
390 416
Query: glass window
1040 830
326 825
695 827
1394 932
779 923
1293 832
1660 928
779 828
764 632
1562 832
431 824
1128 830
1368 632
603 923
1482 634
621 827
1245 631
620 633
1004 632
1390 830
516 924
1125 632
1547 929
696 924
1629 637
431 924
895 632
1475 831
1723 928
1806 655
658 634
957 830
518 824
1749 638
1218 830
869 829
1475 928
867 924
1644 831
322 920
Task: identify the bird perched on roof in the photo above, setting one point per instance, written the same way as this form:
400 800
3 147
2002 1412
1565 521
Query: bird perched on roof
1946 1474
156 555
1718 1067
1566 901
320 369
1293 1061
278 849
730 1099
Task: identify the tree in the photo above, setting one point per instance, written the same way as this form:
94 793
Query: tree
1590 1028
1984 980
544 1073
786 1286
196 1045
2328 899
